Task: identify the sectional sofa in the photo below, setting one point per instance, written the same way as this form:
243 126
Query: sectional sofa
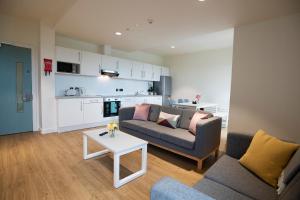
228 179
179 140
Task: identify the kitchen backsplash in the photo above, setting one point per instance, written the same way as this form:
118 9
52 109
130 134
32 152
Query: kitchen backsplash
99 85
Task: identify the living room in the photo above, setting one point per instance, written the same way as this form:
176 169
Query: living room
129 100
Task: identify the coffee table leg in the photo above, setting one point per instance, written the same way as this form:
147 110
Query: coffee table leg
85 147
117 170
144 158
86 155
117 181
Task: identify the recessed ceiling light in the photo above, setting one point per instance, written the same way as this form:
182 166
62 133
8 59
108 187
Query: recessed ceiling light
201 0
172 47
118 33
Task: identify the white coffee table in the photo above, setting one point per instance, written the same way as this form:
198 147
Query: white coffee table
119 145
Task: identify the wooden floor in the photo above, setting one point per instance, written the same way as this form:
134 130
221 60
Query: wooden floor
35 166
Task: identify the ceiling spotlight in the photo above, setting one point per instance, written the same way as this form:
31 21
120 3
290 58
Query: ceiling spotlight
201 0
118 33
172 47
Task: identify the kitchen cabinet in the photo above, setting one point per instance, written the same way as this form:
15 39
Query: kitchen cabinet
92 110
109 63
156 72
76 112
68 55
70 112
90 64
125 69
165 71
147 73
137 70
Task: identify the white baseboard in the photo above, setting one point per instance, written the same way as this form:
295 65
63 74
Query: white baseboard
48 130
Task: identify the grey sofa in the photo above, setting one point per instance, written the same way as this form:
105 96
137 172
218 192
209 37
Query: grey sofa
179 140
227 179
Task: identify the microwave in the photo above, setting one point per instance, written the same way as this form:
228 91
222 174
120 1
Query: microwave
65 67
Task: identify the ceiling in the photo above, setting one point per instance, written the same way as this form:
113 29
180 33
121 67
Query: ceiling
189 25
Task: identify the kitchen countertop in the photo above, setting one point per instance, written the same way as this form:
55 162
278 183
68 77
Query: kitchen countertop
104 96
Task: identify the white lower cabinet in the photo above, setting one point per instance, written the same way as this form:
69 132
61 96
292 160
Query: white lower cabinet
70 112
76 113
92 111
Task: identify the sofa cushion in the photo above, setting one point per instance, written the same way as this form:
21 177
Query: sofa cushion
229 172
218 191
179 136
141 112
154 112
146 127
187 115
173 111
266 161
196 118
292 192
292 168
168 120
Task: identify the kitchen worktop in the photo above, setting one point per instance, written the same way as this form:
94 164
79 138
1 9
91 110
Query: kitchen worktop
104 96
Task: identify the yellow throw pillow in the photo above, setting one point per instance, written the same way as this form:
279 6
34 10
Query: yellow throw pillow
267 156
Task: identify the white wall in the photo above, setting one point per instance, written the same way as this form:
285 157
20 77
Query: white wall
47 83
20 32
265 89
205 72
87 46
99 85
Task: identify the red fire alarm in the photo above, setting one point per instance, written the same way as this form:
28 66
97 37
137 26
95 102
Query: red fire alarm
47 66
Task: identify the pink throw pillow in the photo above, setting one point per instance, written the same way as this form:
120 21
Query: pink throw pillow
141 112
196 118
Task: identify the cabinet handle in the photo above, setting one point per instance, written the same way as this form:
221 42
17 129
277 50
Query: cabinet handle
81 106
79 56
131 72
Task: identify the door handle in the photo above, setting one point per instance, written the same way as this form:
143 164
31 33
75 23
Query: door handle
27 97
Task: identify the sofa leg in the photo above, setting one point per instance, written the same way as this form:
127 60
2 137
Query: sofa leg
199 164
217 153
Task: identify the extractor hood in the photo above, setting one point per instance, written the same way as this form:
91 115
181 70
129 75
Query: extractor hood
110 73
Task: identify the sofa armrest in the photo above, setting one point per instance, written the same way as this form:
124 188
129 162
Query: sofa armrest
237 144
170 189
208 136
126 113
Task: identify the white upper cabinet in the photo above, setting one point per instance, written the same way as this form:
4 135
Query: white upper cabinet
68 55
147 72
109 62
137 70
156 72
165 71
90 63
125 69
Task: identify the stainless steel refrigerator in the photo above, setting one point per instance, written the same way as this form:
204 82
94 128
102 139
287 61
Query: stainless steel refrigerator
164 88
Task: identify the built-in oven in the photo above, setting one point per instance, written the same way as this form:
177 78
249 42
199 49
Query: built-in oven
111 107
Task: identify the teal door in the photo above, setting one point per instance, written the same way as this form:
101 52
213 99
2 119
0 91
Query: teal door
15 90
